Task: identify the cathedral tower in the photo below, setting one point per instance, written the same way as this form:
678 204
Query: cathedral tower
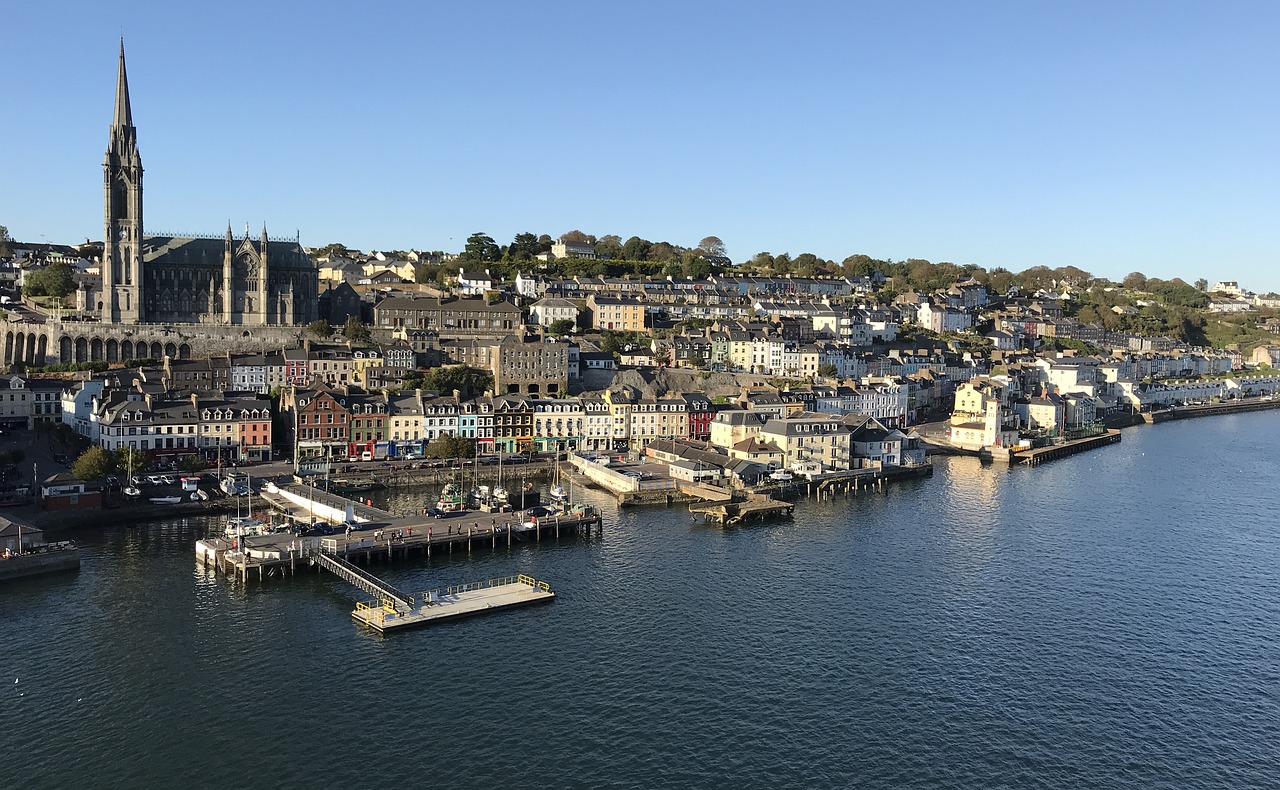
122 240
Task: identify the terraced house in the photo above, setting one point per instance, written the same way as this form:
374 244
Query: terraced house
449 318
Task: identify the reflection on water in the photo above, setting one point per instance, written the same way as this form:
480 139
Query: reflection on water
1095 622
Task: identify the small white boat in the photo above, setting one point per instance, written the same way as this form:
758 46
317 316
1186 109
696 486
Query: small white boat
244 526
560 493
165 500
132 491
782 476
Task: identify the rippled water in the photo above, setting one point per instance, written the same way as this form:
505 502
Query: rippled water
1110 620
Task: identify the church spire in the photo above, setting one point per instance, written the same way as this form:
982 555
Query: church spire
123 117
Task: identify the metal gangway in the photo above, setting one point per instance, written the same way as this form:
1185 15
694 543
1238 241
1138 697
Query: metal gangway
364 580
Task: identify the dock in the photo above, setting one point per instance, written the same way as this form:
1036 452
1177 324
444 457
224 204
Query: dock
464 600
730 513
1055 451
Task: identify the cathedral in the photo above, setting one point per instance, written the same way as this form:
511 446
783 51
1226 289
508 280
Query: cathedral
187 280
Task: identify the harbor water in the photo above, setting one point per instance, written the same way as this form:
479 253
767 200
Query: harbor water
1107 620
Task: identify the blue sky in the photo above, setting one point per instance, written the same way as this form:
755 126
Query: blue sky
1110 136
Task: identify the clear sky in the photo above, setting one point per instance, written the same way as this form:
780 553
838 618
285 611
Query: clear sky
1113 136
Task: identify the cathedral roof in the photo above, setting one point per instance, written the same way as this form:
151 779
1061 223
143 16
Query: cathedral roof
196 250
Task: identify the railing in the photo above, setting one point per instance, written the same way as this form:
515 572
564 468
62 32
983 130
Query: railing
457 589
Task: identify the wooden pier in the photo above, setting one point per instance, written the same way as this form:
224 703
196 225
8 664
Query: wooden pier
434 606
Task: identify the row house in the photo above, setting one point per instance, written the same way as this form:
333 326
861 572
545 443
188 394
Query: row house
219 430
546 312
512 424
424 345
15 403
848 363
598 427
449 318
657 418
367 423
78 403
732 426
940 318
248 373
810 443
249 422
475 422
210 376
616 313
330 367
559 424
439 418
321 421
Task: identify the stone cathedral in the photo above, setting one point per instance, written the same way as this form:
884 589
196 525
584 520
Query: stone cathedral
211 280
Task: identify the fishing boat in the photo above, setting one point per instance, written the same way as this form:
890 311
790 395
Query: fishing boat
243 526
559 493
452 499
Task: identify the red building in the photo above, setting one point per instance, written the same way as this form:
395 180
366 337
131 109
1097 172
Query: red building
700 412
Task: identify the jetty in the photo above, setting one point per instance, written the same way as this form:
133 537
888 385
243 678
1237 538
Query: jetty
1052 452
464 600
729 513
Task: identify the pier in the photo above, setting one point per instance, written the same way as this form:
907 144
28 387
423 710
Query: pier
464 600
730 513
1055 451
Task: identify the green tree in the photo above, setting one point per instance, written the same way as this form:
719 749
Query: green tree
450 446
481 248
321 328
636 249
6 242
827 370
129 460
53 280
578 236
1135 281
93 464
561 326
191 463
1202 284
609 247
468 381
524 247
712 245
355 330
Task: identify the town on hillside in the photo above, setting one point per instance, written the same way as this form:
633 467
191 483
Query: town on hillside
732 379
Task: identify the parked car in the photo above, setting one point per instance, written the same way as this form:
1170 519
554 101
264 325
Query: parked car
632 474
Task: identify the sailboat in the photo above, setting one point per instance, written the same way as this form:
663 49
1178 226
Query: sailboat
559 493
130 489
245 526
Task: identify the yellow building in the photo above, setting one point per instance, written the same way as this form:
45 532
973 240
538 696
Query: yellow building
608 312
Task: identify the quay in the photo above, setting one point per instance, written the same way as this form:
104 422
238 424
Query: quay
1208 410
379 534
47 558
1039 455
464 600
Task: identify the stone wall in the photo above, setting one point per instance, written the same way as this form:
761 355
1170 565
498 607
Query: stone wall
53 342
